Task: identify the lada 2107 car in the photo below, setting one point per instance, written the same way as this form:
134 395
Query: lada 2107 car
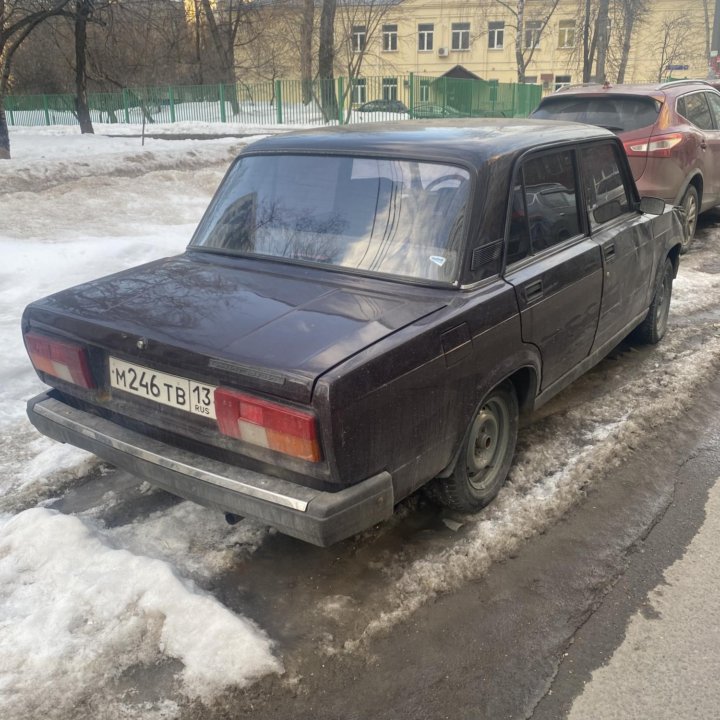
360 312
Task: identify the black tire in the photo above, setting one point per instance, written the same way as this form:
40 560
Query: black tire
691 206
485 456
653 327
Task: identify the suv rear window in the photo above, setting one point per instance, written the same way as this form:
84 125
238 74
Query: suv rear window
615 113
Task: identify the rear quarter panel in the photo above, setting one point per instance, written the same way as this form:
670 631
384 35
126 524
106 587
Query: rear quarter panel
404 405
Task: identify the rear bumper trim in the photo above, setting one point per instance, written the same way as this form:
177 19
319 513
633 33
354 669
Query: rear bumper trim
316 516
49 410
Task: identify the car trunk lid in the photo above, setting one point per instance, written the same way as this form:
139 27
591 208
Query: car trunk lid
247 323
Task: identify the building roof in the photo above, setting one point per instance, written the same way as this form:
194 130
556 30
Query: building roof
458 71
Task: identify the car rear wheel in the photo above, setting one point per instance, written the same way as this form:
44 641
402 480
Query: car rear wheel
690 205
653 327
486 454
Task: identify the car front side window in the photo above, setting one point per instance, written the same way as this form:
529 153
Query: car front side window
606 193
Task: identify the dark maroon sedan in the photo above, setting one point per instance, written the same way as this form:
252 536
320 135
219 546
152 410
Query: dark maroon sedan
360 311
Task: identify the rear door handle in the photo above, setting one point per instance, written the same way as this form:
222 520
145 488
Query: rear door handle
609 251
703 145
533 291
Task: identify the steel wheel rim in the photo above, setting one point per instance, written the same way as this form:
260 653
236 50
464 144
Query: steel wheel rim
663 304
690 205
487 444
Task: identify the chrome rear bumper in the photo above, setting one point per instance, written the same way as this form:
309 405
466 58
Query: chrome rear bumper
318 517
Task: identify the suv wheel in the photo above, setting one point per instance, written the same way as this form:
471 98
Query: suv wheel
690 205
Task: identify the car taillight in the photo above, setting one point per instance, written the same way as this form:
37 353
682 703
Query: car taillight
657 146
267 424
60 359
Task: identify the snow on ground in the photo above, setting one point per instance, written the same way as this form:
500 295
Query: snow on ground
73 208
76 611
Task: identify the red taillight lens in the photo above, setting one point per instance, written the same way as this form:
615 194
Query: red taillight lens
267 424
657 146
60 359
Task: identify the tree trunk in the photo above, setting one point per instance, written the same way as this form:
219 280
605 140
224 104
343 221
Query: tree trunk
83 10
631 9
306 36
4 134
326 60
587 59
601 39
519 56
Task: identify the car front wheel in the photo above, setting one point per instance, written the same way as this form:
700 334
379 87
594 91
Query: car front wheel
653 327
691 206
486 454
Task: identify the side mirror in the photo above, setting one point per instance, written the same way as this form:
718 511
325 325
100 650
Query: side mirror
652 206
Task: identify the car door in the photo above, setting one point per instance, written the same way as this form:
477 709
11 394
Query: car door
696 108
713 143
555 268
623 234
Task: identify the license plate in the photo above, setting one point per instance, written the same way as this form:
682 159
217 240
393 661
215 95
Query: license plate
172 390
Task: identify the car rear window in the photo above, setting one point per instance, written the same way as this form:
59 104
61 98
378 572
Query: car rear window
396 217
616 113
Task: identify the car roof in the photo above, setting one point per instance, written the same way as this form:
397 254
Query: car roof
655 90
453 140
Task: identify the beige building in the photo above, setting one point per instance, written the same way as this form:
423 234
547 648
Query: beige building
429 37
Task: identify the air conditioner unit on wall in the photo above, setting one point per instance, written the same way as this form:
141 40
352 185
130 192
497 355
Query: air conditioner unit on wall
443 52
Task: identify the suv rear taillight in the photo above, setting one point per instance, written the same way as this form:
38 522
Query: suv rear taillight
60 359
267 424
656 146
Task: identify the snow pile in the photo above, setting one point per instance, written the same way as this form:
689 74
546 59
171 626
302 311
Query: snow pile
49 160
76 613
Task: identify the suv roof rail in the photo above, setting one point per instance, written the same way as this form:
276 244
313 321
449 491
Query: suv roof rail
684 82
571 86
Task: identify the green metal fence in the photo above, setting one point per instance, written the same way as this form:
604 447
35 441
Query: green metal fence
287 102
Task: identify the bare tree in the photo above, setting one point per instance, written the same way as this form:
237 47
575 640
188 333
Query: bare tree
18 18
672 43
307 23
530 22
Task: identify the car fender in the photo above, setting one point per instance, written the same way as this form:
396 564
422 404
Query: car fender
525 360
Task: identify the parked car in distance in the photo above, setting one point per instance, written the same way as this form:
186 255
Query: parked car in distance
424 111
359 313
670 131
388 106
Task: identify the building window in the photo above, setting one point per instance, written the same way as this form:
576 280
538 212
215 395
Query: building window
390 38
425 91
359 91
531 79
496 35
533 28
562 80
566 36
389 88
461 36
359 38
425 36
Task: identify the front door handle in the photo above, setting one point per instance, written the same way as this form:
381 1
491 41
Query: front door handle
609 251
533 291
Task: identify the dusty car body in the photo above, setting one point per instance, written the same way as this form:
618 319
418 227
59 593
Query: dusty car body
360 312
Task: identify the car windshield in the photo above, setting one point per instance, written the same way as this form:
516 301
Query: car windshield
615 113
396 217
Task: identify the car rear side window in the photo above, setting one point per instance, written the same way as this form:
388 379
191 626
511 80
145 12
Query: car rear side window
714 101
614 112
606 194
544 206
694 107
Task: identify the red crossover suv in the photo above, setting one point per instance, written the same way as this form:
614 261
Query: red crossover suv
670 131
